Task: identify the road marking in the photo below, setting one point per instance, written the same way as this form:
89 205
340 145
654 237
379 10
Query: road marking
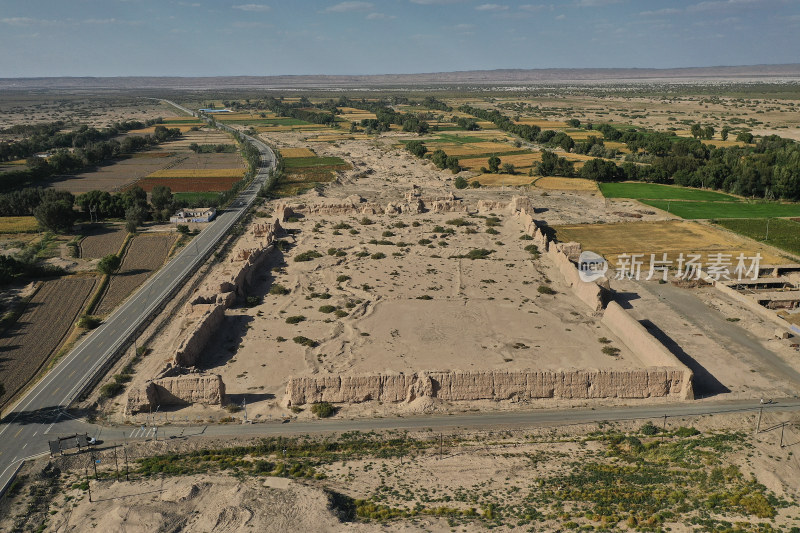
72 373
18 432
55 391
24 445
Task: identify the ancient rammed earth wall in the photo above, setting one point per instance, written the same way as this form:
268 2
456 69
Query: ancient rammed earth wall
664 375
177 383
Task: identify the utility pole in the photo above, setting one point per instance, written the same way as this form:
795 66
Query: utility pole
244 405
88 483
116 464
441 439
782 426
127 470
758 424
94 463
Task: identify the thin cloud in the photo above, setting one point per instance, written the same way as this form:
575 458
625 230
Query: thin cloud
561 17
713 5
490 7
435 2
344 7
532 7
597 3
380 16
253 7
27 21
660 12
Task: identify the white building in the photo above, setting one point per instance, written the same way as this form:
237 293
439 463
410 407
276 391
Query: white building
199 214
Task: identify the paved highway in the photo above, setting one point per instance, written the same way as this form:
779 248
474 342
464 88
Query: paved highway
24 430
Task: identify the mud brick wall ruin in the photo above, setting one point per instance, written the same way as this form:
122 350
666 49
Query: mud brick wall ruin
664 376
179 383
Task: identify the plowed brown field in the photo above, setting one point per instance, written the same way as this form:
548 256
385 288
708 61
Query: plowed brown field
40 330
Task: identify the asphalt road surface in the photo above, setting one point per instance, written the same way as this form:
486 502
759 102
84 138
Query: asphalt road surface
25 429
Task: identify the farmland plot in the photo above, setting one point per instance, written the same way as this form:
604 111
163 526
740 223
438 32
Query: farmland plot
102 241
145 255
40 330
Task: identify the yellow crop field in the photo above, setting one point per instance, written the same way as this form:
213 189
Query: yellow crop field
487 125
18 224
475 148
672 237
719 143
17 162
544 124
199 173
582 135
357 117
518 160
616 145
296 152
552 183
503 180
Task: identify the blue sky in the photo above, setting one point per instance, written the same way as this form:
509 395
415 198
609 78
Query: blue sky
270 37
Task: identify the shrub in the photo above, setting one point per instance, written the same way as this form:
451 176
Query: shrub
252 301
304 341
377 255
387 233
458 222
109 264
365 221
478 253
327 309
648 429
109 390
278 289
610 350
492 231
323 409
183 229
340 313
604 340
342 278
526 237
362 254
424 241
533 249
307 256
424 297
296 319
544 289
89 322
460 183
475 184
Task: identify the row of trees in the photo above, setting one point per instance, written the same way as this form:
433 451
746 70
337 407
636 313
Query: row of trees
70 160
47 137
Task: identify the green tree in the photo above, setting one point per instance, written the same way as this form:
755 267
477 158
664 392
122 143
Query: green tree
55 215
745 136
439 158
109 264
574 123
452 164
494 164
696 130
161 197
508 168
134 217
724 133
708 132
461 183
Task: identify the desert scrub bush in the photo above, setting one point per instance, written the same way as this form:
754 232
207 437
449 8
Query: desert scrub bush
400 225
525 237
458 222
478 253
278 289
648 429
533 250
307 256
342 225
88 322
365 221
544 289
378 255
424 297
252 301
362 254
110 390
342 278
296 319
387 233
327 309
323 409
492 221
604 340
492 231
424 241
610 350
304 341
340 313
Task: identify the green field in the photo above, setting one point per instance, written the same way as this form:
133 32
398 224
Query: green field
311 162
783 233
195 198
695 210
653 191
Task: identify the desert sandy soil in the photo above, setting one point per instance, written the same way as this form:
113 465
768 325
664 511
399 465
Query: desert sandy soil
709 475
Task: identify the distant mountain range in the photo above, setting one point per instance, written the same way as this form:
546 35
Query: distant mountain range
501 77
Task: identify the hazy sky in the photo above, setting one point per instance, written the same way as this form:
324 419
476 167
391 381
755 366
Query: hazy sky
215 38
